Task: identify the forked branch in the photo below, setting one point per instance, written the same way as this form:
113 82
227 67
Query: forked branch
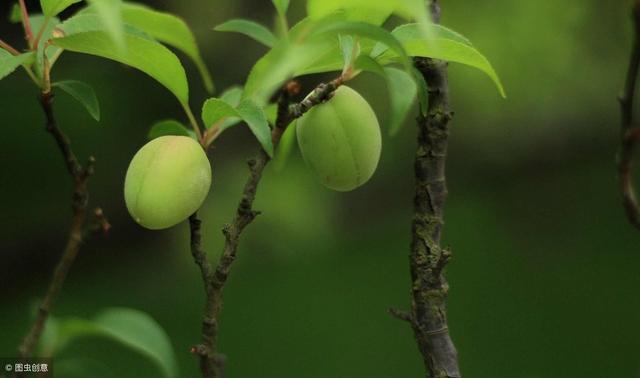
211 362
80 176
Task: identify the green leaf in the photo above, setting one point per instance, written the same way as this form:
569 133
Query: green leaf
215 111
402 88
83 93
82 23
372 32
255 118
443 44
312 47
232 95
91 22
402 92
367 63
250 29
281 6
169 127
140 332
130 328
416 32
15 15
168 29
53 7
9 63
149 57
110 11
279 64
370 11
285 147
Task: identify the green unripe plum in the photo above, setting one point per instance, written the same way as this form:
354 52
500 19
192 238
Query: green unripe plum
340 140
167 181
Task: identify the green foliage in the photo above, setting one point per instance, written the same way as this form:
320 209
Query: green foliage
256 119
367 63
314 47
139 332
372 32
9 62
373 12
83 93
15 15
149 57
130 328
232 95
169 127
168 29
53 7
110 11
442 43
216 110
249 28
282 62
402 94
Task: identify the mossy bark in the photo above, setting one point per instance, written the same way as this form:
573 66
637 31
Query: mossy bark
427 259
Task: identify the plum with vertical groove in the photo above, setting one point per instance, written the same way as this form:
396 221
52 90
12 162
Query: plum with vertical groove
168 180
340 140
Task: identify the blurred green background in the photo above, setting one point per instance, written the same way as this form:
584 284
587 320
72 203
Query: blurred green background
545 277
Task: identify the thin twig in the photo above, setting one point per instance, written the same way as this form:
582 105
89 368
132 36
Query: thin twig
429 288
80 176
211 362
630 132
26 22
9 48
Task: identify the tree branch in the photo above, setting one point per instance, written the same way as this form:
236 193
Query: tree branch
80 176
630 133
211 362
429 289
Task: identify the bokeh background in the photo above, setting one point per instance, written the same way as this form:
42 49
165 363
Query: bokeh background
545 278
